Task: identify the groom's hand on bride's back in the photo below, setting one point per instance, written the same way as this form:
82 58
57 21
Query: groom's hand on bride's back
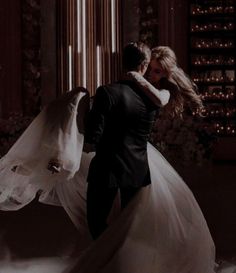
168 85
88 148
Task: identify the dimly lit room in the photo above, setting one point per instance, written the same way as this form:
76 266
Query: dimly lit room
159 125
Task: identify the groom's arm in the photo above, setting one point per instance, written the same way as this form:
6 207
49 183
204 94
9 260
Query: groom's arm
97 116
83 109
158 97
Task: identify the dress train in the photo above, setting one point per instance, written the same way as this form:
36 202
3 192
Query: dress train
162 230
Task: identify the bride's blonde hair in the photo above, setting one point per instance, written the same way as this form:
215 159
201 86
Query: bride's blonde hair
185 92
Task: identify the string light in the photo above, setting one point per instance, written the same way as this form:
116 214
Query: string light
212 27
197 10
218 82
213 60
212 43
212 77
216 111
222 129
217 94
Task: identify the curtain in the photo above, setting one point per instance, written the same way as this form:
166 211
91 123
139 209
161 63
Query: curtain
89 43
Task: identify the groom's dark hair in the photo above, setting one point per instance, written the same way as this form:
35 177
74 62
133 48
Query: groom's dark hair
135 54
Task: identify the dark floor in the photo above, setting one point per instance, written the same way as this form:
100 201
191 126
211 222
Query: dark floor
37 230
214 187
40 230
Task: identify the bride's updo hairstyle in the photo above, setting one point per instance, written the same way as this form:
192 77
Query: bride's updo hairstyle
136 54
183 95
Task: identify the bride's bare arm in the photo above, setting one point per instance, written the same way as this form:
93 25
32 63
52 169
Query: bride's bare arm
159 97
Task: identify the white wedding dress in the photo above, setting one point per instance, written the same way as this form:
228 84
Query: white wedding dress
162 230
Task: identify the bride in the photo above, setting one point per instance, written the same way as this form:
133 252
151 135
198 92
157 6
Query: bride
162 230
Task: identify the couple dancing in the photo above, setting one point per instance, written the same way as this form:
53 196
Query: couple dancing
153 223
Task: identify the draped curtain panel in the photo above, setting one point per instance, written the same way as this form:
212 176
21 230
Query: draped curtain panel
89 43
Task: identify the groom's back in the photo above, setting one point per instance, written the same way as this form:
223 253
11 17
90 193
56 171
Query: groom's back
130 116
121 138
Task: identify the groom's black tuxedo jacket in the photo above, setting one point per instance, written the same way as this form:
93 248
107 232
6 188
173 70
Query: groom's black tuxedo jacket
119 125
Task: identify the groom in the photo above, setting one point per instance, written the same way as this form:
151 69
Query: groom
119 125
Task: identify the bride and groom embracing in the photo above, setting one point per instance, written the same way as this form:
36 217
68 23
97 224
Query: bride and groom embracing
160 227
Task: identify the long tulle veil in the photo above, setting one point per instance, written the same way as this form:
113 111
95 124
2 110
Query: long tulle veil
52 134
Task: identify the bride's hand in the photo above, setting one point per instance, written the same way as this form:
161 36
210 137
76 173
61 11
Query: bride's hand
54 166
